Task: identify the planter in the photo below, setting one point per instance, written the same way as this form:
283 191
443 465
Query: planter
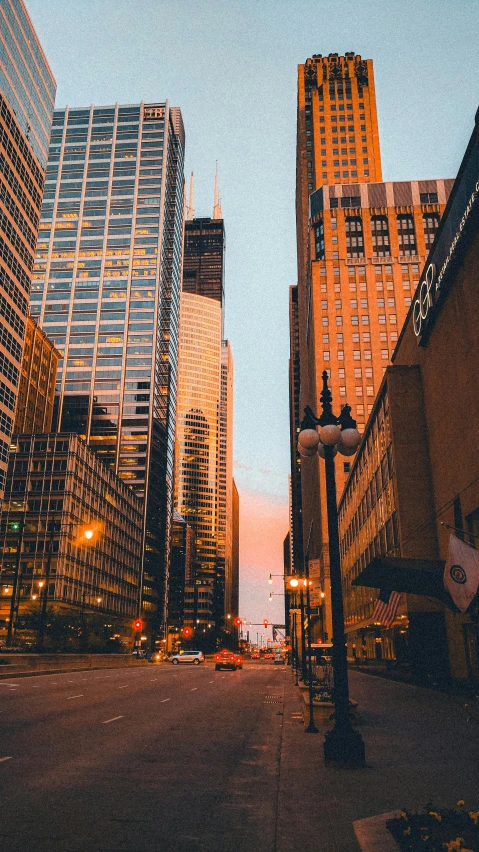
323 710
372 834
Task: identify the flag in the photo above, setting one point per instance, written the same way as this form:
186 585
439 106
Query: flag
386 607
461 574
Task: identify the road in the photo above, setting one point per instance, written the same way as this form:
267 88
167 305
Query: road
163 758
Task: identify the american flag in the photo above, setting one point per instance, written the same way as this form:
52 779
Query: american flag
386 607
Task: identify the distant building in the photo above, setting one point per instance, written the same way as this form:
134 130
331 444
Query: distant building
106 289
415 478
182 568
235 557
27 95
36 392
204 258
56 488
225 486
197 434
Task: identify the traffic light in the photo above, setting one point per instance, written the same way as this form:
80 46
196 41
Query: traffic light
266 622
187 632
238 622
137 624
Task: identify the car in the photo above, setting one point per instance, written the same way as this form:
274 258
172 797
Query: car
279 660
194 657
256 655
227 660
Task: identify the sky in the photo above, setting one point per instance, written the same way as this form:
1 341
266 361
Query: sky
231 67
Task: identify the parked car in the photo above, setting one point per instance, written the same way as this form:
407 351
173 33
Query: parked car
194 657
256 655
279 660
228 660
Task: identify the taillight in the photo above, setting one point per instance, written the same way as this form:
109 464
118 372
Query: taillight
218 657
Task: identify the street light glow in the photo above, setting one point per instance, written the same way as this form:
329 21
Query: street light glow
88 534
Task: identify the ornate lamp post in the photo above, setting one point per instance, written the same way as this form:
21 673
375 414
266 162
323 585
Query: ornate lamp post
342 743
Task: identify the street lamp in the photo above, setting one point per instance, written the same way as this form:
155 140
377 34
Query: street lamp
342 743
270 578
296 582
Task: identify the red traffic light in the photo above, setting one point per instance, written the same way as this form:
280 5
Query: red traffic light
137 624
187 631
238 622
266 622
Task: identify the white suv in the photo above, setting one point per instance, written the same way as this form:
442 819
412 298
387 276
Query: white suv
195 657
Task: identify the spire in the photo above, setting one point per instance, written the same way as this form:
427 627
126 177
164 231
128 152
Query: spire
190 210
217 214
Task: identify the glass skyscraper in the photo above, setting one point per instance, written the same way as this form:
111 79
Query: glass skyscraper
106 288
27 93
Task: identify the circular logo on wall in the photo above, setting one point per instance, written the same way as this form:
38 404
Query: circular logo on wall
458 574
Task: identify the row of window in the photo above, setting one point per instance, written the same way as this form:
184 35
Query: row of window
380 234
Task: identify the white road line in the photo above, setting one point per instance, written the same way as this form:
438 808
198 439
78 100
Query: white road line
152 679
3 759
211 681
35 687
194 689
74 696
107 721
123 687
165 699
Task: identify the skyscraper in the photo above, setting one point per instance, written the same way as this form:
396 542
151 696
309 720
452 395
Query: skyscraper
224 583
27 95
106 288
204 258
361 243
197 430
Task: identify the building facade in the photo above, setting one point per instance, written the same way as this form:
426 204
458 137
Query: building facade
27 94
235 554
106 289
224 565
197 433
36 391
361 245
415 477
204 258
56 488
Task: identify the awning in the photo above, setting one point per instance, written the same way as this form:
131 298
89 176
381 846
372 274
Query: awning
423 577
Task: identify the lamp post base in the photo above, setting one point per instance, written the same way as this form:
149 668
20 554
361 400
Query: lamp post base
342 744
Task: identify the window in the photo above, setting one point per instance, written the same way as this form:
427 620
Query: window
385 354
369 390
368 354
354 319
340 354
356 354
324 321
393 319
351 201
340 337
359 390
342 390
347 467
325 354
338 304
380 236
341 373
333 202
428 197
358 373
324 305
325 338
431 224
406 234
354 236
382 319
339 320
365 319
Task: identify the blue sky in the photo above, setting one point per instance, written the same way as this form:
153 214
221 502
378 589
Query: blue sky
231 66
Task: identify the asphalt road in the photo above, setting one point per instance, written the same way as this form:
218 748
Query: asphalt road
163 758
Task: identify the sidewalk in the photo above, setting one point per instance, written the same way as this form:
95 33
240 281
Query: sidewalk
420 747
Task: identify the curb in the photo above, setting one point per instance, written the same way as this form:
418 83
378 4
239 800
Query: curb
372 834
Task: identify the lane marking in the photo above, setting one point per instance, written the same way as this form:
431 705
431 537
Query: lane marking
3 759
123 687
194 688
74 696
211 681
153 679
107 721
35 687
165 699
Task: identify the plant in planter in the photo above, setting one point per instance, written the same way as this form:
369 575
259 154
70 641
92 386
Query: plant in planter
437 830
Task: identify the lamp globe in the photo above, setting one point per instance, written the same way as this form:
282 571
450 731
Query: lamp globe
306 453
349 442
322 454
330 434
308 439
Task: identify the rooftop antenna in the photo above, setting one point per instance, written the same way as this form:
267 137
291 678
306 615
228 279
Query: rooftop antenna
217 214
190 210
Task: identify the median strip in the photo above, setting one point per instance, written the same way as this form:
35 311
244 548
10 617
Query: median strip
107 721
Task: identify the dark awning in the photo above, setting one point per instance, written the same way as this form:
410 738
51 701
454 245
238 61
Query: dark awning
422 577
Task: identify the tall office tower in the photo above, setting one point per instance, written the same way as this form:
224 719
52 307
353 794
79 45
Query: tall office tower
224 582
235 551
36 391
27 95
204 258
106 289
197 429
361 244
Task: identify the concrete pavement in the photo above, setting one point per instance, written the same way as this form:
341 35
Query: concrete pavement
420 747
